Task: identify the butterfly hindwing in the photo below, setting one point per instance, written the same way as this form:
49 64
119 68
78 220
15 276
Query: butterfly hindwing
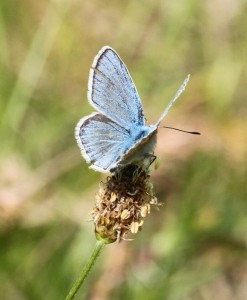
101 140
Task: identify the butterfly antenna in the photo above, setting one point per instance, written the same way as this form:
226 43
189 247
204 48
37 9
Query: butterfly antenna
179 92
191 132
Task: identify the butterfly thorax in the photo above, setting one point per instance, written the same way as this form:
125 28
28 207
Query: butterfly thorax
142 141
138 133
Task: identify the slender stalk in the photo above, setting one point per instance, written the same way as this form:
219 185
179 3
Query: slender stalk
98 247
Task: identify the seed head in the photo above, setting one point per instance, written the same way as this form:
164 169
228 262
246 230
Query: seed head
123 202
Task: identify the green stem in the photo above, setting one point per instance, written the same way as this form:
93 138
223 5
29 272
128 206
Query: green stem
98 247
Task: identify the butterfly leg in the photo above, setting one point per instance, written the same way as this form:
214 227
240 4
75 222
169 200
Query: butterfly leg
150 157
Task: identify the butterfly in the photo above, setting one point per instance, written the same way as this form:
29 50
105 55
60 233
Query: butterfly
117 134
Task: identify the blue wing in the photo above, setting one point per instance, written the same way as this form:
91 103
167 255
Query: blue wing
102 141
178 93
112 91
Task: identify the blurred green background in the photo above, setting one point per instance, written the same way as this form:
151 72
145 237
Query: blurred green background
195 246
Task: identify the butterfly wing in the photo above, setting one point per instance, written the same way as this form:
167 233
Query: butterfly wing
112 91
177 95
102 141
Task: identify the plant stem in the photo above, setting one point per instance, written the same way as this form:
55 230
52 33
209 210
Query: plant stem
98 247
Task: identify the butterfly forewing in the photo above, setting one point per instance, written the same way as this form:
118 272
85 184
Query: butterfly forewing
101 140
112 91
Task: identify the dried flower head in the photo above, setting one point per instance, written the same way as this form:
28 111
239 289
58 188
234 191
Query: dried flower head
123 202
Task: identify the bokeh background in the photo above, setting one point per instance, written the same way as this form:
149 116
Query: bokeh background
195 246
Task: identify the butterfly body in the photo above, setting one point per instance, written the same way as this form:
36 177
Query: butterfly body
141 147
117 134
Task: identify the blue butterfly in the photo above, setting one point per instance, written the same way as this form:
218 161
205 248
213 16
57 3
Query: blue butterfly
117 134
